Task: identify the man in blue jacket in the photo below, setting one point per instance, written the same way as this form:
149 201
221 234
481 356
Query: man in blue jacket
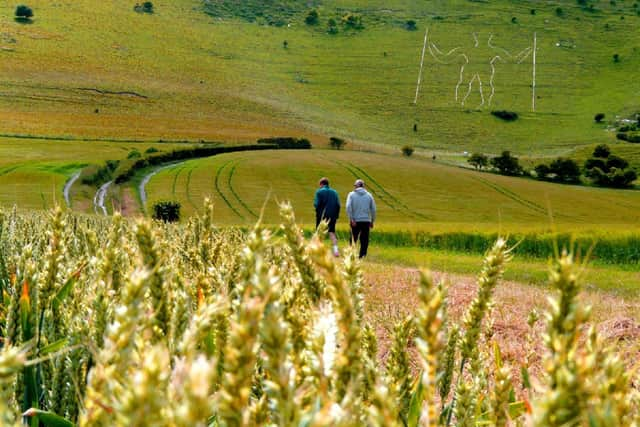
361 209
327 204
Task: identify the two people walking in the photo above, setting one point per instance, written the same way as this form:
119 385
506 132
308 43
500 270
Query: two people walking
361 210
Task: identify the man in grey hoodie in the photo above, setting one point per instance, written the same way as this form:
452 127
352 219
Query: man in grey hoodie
361 209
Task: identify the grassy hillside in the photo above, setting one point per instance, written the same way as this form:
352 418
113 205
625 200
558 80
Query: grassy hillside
218 70
410 193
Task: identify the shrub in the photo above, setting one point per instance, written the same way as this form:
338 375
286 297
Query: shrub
24 13
353 21
565 170
542 172
478 160
601 151
411 25
312 18
598 117
607 170
505 115
407 150
337 143
559 11
146 7
616 57
506 164
134 154
151 150
332 26
166 211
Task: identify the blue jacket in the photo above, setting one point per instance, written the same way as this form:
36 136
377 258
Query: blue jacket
360 206
327 203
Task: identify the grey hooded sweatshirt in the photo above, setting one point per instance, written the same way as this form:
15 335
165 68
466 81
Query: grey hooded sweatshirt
360 206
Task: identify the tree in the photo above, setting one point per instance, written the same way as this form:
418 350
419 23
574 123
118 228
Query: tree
542 171
167 211
565 170
312 18
478 161
332 26
601 151
411 25
24 13
507 164
616 57
407 150
337 143
598 117
607 170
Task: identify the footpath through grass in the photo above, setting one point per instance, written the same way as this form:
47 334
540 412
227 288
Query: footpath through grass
616 279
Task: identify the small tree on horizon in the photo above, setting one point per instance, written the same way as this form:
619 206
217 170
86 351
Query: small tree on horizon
478 161
337 143
24 13
506 164
407 150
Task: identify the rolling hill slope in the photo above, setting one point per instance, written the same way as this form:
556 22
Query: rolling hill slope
216 70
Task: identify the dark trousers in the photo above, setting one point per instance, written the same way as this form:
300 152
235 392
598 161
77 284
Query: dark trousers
361 232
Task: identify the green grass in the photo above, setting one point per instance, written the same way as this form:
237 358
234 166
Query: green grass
615 279
411 194
225 78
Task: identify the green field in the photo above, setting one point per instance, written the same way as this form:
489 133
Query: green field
225 75
85 80
410 193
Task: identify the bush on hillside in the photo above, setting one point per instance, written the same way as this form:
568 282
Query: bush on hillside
478 161
506 164
598 117
96 175
166 211
407 150
505 115
352 21
411 25
151 150
332 26
23 13
134 154
607 170
561 170
146 7
628 136
337 143
312 18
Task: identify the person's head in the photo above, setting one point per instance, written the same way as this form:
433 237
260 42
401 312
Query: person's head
323 181
359 183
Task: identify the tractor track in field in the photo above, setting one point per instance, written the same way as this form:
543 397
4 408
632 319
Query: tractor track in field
189 199
219 190
380 193
517 198
237 197
175 180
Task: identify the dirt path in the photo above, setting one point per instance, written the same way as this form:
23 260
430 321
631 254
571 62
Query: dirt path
99 198
145 180
67 188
